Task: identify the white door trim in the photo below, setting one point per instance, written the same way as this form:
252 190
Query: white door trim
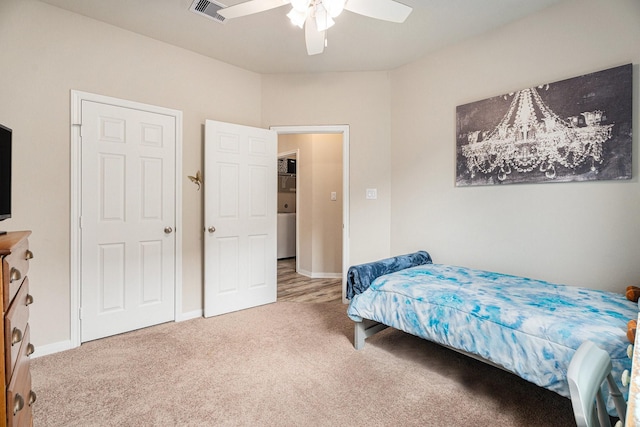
344 130
76 198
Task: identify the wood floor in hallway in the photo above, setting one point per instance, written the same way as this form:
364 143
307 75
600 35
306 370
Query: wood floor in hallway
296 287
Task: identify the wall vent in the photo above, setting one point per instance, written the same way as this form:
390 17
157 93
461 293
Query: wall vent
208 9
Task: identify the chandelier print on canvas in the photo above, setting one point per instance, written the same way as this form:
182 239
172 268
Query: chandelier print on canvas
577 129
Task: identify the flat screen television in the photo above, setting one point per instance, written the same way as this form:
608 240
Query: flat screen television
5 173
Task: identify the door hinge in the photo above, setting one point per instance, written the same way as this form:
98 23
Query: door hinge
80 313
80 222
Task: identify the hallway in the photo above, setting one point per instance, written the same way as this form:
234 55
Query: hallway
296 287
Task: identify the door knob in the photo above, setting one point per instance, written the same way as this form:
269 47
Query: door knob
168 230
211 229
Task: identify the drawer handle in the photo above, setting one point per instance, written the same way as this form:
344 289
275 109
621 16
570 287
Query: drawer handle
18 403
16 336
15 274
32 397
28 255
28 299
30 349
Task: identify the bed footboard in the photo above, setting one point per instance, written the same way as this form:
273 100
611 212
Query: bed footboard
365 329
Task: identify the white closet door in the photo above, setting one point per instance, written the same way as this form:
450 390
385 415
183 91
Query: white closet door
128 219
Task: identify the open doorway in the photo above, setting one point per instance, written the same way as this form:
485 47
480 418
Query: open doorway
317 203
287 204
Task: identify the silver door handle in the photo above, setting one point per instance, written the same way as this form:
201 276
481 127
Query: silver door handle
168 230
211 229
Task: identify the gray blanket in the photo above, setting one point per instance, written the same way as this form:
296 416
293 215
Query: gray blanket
359 277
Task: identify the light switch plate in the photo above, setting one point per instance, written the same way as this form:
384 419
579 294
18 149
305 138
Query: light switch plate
372 193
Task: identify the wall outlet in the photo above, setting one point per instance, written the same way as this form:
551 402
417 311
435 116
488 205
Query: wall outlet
334 196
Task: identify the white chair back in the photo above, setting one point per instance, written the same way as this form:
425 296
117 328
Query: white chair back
589 368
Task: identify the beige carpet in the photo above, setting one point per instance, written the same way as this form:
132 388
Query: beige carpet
284 364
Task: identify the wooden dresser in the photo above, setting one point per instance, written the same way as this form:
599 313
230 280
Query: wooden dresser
14 283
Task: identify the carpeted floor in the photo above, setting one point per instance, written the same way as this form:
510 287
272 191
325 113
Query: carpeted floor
283 364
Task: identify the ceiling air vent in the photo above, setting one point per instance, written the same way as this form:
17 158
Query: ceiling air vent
208 9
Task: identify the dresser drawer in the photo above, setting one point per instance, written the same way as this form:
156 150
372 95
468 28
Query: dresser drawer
15 326
19 395
14 269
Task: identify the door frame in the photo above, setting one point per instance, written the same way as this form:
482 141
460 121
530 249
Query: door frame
76 202
334 129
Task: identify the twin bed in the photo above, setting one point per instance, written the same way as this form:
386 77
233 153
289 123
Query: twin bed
529 327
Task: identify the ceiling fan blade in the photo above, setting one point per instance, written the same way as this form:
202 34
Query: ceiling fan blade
386 10
250 7
314 38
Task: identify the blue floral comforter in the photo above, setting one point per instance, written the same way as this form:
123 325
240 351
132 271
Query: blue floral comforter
530 327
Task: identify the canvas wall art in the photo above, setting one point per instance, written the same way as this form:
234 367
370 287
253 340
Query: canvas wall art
577 129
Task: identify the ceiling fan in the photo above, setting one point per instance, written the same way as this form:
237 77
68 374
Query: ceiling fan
316 16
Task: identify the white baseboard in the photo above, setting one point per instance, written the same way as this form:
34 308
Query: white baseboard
189 315
316 275
56 347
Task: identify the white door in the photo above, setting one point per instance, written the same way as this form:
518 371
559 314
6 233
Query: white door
240 182
127 219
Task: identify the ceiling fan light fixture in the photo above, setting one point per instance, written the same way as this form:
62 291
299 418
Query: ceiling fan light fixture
323 20
316 16
301 5
334 7
297 17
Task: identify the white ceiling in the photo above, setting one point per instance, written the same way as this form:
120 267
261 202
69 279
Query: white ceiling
267 43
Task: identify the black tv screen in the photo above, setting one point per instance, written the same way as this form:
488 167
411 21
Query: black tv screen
5 172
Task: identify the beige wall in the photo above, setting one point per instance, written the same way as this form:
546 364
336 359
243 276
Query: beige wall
575 233
319 172
46 52
578 233
327 214
362 101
